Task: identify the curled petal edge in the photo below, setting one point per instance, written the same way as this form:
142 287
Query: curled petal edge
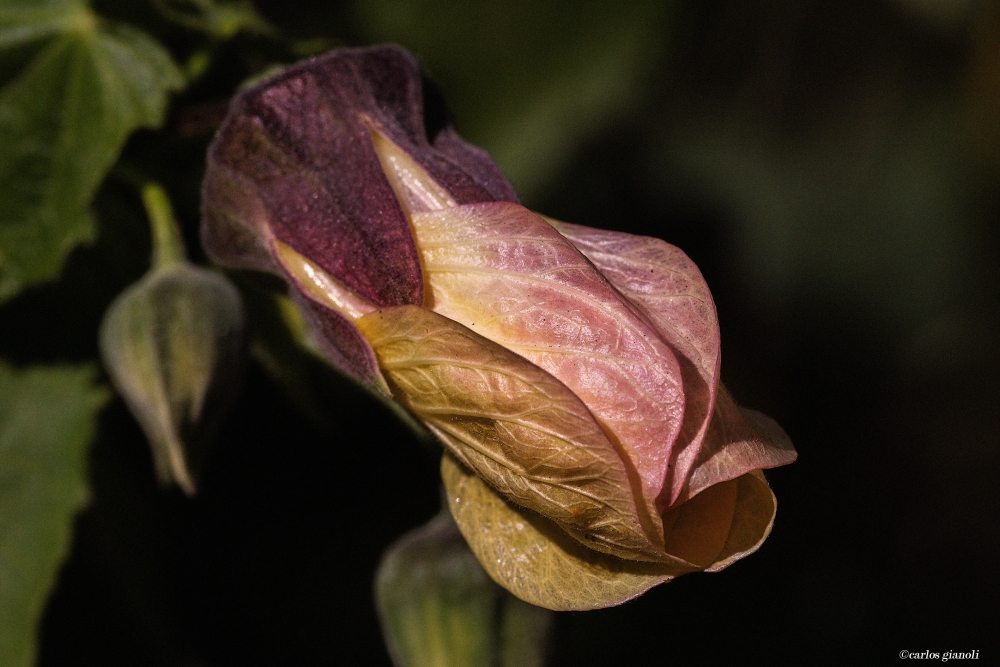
739 441
535 560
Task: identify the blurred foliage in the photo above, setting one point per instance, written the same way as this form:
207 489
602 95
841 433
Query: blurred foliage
63 121
438 606
831 167
47 419
486 56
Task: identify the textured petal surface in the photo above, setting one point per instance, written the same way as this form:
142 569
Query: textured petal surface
571 373
508 275
513 424
534 559
669 289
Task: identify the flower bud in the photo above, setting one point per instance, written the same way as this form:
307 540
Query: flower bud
571 374
172 344
438 607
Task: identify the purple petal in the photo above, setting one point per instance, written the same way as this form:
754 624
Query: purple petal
294 161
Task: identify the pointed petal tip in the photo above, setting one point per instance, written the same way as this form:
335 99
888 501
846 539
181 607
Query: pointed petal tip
783 451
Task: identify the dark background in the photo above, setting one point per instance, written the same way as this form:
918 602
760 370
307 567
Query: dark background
831 167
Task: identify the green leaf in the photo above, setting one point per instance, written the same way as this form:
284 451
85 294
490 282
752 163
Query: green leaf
63 122
26 21
47 420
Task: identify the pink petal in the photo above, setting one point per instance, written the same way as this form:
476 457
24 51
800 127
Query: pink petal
738 442
669 289
506 274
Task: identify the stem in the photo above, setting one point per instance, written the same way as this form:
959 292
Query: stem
168 244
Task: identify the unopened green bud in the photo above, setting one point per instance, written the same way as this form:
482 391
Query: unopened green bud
439 608
172 344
